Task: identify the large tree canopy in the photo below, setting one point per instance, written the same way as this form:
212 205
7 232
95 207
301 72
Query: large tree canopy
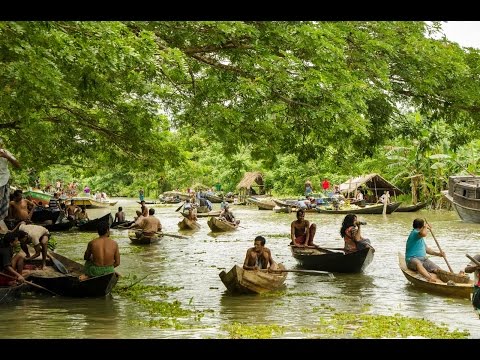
134 93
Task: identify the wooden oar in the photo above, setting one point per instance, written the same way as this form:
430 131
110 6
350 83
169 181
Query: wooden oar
172 235
180 206
310 272
58 264
30 283
439 248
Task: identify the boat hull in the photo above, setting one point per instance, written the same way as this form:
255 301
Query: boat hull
241 281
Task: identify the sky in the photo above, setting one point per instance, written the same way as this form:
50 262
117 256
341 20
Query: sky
465 33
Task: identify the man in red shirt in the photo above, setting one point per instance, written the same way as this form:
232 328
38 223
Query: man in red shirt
325 185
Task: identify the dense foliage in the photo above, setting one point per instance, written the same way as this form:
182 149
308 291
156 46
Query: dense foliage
160 105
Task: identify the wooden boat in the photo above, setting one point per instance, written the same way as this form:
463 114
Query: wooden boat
144 240
70 284
464 194
282 209
37 196
368 209
175 195
214 198
60 226
412 208
92 224
334 261
263 204
440 287
241 281
216 224
187 224
209 214
40 215
89 203
10 293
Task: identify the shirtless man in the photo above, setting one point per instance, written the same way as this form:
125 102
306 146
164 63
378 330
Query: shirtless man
149 225
119 216
302 232
20 209
144 209
102 255
72 211
259 257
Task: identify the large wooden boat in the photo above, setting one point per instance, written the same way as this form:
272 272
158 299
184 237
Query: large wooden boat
92 224
214 198
368 209
89 203
175 195
10 293
69 284
187 224
241 281
464 194
143 240
334 261
217 224
41 214
454 290
412 208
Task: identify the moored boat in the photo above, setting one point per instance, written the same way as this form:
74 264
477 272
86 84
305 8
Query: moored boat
37 196
412 208
238 280
263 204
464 194
451 289
217 224
69 284
317 258
89 203
368 209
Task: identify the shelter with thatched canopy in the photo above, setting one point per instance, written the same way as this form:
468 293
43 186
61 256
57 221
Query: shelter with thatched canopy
373 184
251 184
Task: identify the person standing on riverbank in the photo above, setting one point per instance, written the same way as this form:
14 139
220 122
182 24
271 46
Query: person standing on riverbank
5 158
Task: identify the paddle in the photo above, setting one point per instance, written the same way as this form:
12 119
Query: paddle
173 235
58 265
439 248
310 272
180 206
30 283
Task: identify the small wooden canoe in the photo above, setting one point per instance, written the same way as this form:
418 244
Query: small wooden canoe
209 214
217 224
187 224
143 240
70 284
368 209
441 288
241 281
92 224
334 261
412 208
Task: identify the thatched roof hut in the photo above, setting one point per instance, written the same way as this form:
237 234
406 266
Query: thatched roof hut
372 182
250 181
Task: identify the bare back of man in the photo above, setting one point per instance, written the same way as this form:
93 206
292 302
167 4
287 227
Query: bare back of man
150 225
103 250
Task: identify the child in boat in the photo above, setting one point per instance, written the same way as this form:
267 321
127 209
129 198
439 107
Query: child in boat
416 251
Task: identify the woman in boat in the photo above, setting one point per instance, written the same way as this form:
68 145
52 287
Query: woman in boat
259 257
301 231
351 234
416 251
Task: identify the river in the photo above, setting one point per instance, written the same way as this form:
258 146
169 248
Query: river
194 264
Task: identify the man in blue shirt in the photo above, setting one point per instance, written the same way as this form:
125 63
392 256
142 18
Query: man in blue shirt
416 252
